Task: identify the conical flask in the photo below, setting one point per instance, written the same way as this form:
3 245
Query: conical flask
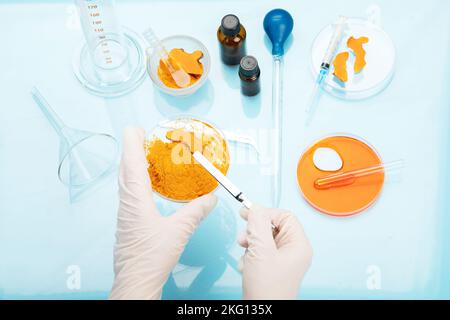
84 157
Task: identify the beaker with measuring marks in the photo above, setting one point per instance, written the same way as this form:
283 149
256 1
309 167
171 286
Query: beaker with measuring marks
111 62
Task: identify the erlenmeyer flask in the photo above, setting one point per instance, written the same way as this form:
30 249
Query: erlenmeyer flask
84 157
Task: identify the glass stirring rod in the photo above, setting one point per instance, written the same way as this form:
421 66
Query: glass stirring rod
278 25
349 177
325 67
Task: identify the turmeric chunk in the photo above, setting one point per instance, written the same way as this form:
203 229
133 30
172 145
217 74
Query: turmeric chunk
340 66
190 62
357 46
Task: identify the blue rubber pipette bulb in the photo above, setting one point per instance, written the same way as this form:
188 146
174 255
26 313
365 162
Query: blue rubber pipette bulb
278 24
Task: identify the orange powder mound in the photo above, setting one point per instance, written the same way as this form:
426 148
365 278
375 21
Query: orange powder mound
189 62
173 171
357 46
340 66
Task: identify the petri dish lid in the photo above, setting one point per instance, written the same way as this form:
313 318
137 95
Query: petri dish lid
380 58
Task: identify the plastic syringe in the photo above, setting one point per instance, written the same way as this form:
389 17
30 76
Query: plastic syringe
325 65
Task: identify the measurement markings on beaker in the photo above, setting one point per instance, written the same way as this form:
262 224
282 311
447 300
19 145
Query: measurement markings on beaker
97 22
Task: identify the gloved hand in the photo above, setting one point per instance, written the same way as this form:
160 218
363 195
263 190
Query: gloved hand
273 267
148 245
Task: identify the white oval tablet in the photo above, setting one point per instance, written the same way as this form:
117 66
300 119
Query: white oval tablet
327 159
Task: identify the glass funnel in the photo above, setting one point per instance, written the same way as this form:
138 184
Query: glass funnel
84 156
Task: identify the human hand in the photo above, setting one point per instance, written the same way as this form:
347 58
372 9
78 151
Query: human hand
148 245
273 266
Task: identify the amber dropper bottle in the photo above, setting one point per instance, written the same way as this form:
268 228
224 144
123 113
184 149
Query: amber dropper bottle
231 35
249 73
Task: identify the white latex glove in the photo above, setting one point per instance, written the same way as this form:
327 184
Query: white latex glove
273 268
148 245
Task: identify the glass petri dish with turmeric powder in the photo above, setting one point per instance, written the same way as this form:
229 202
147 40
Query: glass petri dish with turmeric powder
173 171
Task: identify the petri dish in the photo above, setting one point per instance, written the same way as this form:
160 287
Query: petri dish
380 58
346 200
174 173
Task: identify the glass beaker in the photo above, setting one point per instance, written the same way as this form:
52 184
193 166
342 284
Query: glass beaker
112 61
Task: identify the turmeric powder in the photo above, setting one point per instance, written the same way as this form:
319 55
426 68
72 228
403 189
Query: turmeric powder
189 62
173 171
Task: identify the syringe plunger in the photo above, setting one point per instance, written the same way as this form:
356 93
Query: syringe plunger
334 42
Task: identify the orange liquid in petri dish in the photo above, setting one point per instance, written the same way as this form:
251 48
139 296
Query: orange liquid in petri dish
352 196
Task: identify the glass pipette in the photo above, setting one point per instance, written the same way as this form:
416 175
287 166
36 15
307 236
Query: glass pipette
277 86
181 78
278 24
325 66
349 177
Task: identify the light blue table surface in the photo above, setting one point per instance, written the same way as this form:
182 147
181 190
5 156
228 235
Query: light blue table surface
403 240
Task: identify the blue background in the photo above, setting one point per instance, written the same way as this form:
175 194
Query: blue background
405 235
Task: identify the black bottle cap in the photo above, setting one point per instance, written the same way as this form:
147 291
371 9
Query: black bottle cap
249 66
230 25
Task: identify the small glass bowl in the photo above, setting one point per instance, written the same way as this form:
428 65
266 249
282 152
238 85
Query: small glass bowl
187 122
188 44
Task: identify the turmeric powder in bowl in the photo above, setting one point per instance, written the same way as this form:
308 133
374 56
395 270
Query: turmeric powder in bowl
189 62
173 171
